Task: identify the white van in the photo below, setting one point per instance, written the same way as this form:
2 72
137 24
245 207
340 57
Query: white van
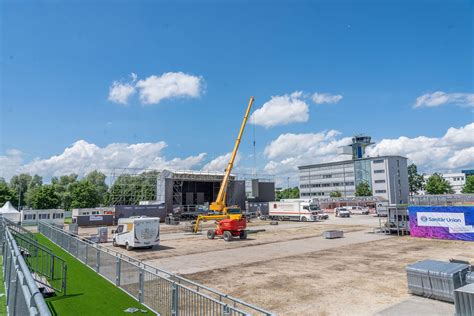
137 232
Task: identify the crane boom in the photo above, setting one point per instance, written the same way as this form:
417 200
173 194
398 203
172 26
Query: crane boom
219 203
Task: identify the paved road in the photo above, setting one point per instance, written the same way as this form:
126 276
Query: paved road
420 306
218 259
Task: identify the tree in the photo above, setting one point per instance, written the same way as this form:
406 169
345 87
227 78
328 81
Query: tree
84 195
21 184
335 194
64 186
7 194
436 184
363 189
290 193
415 180
44 197
469 185
97 178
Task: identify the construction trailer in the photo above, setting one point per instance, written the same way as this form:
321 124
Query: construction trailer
51 216
92 211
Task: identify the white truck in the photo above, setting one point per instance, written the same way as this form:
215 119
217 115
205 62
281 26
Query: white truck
137 232
300 211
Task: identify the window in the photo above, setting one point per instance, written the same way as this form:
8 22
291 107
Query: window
119 229
380 191
29 216
379 181
57 215
378 161
379 171
327 176
43 216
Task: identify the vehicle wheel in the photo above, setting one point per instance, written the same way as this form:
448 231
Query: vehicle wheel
304 219
114 243
227 235
211 234
128 247
243 234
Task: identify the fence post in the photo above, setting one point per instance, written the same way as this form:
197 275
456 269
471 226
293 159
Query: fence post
141 285
225 310
97 265
117 270
175 300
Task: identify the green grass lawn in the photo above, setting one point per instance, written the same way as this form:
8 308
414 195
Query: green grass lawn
87 292
68 220
3 301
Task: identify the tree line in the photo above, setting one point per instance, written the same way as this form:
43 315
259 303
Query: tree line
70 191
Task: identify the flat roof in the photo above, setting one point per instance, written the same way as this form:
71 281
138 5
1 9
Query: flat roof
342 162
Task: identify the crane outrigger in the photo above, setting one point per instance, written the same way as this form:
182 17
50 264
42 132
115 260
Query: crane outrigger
230 222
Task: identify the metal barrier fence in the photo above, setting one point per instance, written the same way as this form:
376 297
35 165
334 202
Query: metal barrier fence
163 292
22 295
50 270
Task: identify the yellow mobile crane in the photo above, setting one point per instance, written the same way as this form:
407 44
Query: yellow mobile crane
230 222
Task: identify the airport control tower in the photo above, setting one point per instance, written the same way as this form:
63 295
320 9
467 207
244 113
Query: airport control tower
359 143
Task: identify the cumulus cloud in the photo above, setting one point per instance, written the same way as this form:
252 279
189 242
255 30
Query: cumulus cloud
120 92
219 163
321 98
452 151
83 157
154 89
289 151
282 110
439 98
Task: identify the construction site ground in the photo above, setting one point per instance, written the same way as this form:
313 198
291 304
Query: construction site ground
290 269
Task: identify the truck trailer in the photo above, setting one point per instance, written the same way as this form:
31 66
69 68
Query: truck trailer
299 211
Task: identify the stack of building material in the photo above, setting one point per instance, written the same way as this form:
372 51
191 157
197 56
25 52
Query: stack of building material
464 300
330 234
436 279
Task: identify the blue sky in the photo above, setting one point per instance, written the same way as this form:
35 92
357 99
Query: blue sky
59 60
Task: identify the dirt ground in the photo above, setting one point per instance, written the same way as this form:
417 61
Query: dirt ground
292 270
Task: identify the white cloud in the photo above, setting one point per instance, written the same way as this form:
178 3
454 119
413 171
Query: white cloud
321 98
120 92
452 151
439 98
289 151
83 157
219 163
154 89
282 110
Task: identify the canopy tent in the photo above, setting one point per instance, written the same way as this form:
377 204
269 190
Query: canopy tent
10 212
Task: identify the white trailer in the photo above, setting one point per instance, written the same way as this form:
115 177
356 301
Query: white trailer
300 211
137 232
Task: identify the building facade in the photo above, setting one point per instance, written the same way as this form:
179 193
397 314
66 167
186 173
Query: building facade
387 177
457 180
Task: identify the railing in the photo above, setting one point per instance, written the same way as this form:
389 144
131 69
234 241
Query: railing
17 228
50 269
22 295
163 292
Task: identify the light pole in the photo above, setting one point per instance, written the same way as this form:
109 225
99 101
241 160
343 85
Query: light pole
19 197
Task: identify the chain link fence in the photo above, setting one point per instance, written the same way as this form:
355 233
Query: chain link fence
22 294
161 291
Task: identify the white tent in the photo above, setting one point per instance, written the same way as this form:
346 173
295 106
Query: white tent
10 212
